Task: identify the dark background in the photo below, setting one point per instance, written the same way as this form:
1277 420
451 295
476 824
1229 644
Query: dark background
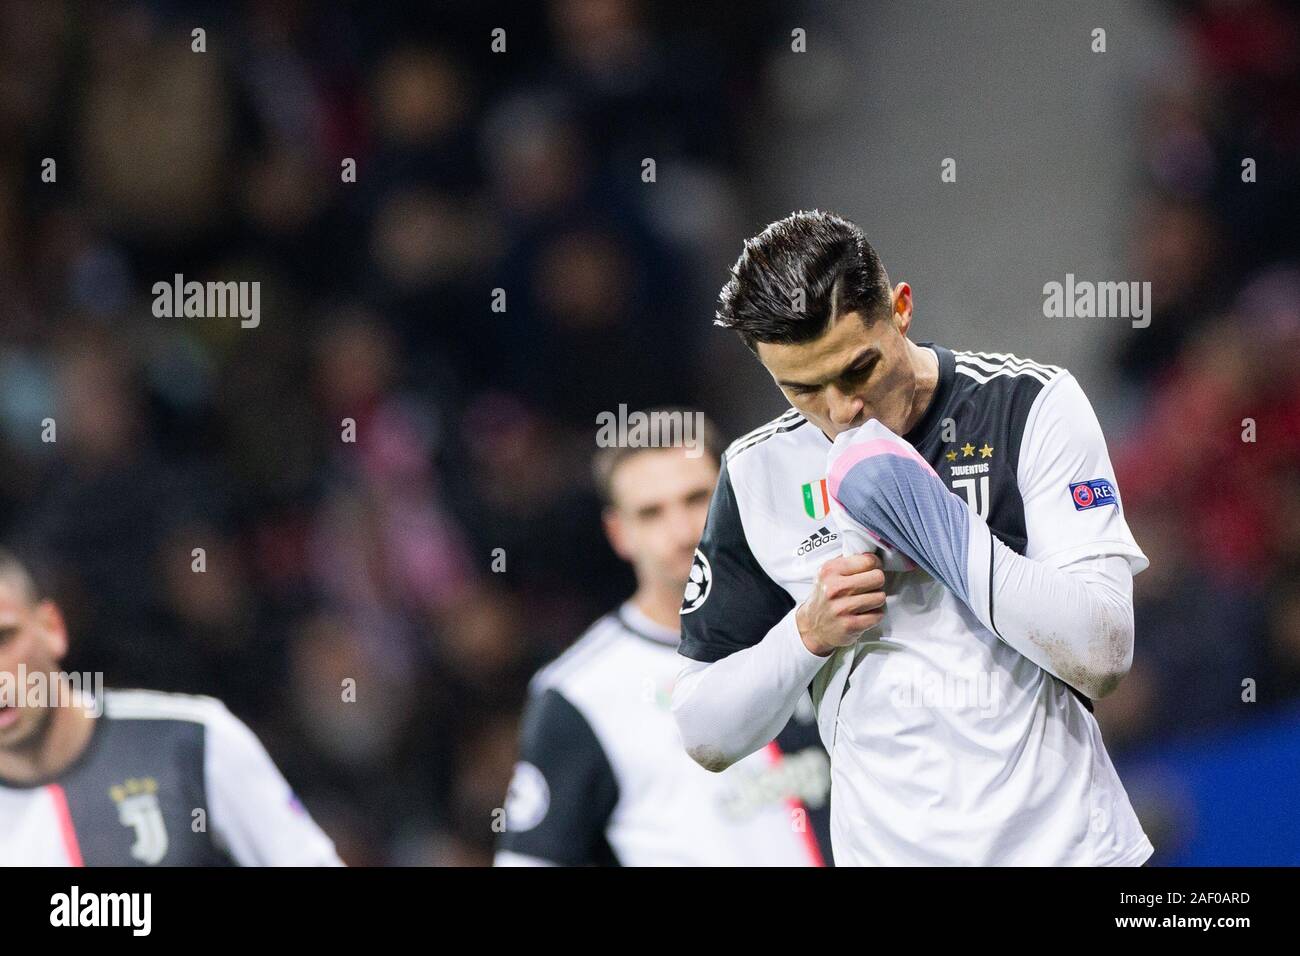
522 171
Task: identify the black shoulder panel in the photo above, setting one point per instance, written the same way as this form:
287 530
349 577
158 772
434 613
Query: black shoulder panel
564 789
730 602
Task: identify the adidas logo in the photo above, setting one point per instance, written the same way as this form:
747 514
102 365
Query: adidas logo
821 536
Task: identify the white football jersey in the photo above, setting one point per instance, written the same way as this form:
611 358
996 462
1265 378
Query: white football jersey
602 777
165 780
948 747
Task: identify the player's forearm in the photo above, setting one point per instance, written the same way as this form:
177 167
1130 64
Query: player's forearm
1075 623
1077 626
731 708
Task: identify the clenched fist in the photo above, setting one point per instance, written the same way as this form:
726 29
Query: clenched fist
847 598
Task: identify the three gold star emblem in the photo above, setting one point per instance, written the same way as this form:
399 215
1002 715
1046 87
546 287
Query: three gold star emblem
968 451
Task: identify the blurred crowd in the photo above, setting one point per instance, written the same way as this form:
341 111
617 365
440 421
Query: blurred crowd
1210 467
455 545
500 271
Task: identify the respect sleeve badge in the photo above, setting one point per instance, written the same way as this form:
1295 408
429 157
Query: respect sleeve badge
1092 494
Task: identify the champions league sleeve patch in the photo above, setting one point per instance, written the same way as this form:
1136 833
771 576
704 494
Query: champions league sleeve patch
527 799
698 585
1092 494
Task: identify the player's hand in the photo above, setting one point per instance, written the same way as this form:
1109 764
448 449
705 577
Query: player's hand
848 597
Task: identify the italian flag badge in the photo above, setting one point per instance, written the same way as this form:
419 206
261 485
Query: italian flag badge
816 500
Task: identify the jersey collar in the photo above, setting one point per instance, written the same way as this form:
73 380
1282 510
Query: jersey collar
631 617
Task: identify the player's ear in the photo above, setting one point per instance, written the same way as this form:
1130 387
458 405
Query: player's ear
900 302
616 532
53 628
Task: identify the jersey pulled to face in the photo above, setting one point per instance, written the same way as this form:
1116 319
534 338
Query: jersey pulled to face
947 745
166 780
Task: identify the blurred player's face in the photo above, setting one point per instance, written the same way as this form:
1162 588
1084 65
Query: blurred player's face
854 372
32 635
660 501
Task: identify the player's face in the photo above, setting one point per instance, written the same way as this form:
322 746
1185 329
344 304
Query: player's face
31 635
854 372
661 500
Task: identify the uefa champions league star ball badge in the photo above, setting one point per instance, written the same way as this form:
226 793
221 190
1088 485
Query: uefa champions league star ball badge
698 584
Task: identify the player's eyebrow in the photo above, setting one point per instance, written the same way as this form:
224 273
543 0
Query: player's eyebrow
695 494
870 352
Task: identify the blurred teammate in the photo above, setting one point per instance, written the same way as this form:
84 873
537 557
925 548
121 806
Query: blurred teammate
602 777
137 778
983 596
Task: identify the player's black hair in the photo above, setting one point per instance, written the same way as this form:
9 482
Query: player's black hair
820 254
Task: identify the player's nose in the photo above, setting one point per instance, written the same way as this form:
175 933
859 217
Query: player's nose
842 408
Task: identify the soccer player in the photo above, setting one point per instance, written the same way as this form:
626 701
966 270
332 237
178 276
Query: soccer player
137 779
602 778
983 599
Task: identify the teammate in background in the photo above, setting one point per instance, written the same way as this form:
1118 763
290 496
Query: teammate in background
983 597
602 778
137 779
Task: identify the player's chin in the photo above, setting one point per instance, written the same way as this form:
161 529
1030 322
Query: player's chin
16 725
11 720
678 572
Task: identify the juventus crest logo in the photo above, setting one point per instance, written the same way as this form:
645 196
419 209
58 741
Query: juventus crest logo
138 808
